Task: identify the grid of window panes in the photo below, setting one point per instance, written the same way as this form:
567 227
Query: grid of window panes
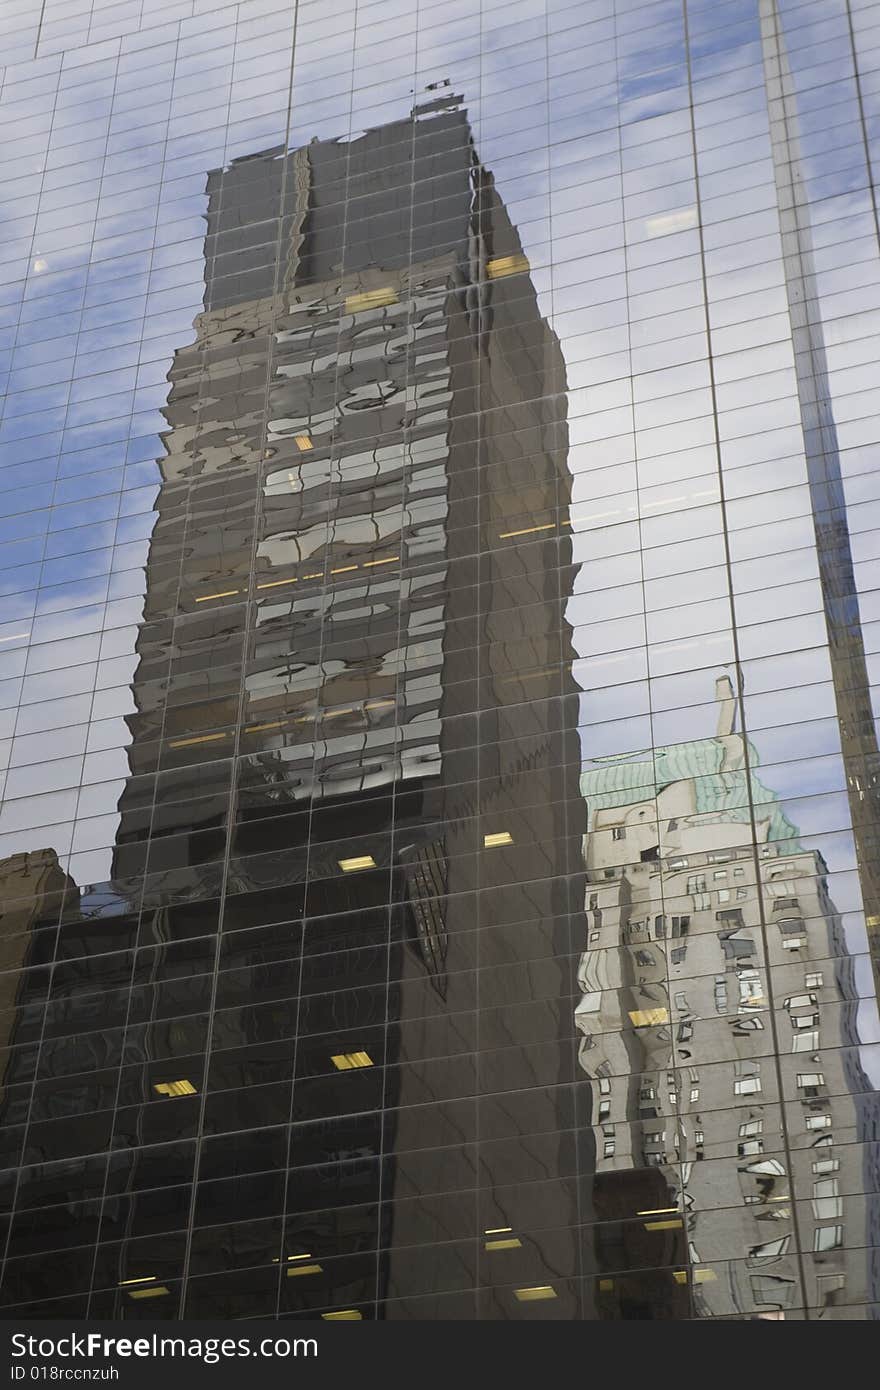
439 856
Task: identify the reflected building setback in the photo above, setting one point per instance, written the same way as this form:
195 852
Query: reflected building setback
440 820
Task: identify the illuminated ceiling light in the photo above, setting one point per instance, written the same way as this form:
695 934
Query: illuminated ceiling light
303 442
526 531
225 593
344 1315
143 1279
658 1211
201 738
303 1269
497 1230
174 1088
371 564
501 837
348 1061
507 1243
15 637
648 1018
39 265
153 1291
360 861
535 1294
275 583
370 299
506 265
343 569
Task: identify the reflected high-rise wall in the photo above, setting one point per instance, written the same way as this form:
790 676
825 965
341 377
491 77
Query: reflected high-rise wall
718 986
348 768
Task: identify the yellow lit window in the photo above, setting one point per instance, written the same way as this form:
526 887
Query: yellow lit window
501 837
648 1018
303 442
346 1061
189 742
505 1239
345 1315
699 1276
535 1294
174 1088
360 861
370 299
506 265
526 530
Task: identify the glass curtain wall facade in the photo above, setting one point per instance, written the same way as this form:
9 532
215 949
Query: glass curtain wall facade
439 856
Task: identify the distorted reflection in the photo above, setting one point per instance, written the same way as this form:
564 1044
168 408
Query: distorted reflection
717 982
439 870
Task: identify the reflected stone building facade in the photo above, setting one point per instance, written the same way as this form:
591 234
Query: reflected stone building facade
693 1044
439 862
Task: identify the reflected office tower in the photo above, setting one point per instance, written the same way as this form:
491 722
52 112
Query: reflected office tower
354 749
717 980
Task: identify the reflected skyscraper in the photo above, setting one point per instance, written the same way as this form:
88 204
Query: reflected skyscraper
332 761
439 868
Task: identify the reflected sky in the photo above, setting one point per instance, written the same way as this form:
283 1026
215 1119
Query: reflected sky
629 240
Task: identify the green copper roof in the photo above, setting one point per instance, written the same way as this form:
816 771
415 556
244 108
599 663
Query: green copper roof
723 792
